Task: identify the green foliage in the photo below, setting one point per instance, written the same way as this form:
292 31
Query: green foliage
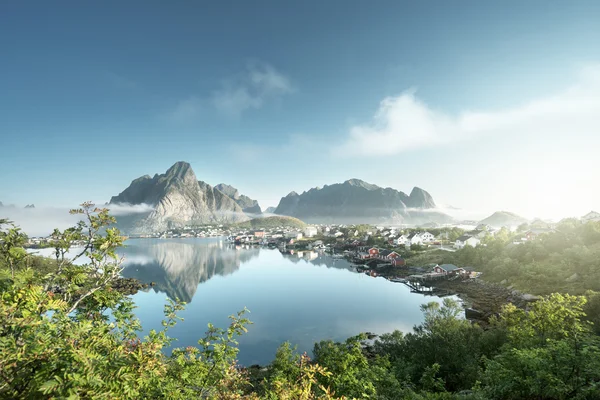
564 260
12 241
353 374
56 340
550 353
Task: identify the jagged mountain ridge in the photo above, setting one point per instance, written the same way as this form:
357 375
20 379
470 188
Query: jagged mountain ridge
248 205
356 201
177 198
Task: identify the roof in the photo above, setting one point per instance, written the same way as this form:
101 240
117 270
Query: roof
464 238
448 267
412 235
384 252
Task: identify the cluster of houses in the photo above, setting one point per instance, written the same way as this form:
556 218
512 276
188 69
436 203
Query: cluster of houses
384 255
414 238
471 238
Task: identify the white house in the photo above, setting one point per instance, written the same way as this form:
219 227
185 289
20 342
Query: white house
400 240
466 240
427 237
310 231
414 239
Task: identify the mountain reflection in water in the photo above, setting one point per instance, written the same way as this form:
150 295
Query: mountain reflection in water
177 266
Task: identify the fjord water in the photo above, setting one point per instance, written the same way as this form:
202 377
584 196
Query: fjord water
301 298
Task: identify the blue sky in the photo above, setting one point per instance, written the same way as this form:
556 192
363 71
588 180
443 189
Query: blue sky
487 105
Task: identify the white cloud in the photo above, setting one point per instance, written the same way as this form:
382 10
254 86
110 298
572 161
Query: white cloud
405 123
39 221
43 220
128 209
258 84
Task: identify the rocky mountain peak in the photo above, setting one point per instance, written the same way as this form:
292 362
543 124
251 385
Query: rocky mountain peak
178 199
361 183
248 205
181 170
420 198
228 190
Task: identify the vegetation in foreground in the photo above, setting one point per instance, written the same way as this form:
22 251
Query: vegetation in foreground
56 341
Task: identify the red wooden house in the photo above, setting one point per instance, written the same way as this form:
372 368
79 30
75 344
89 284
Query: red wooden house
374 252
398 262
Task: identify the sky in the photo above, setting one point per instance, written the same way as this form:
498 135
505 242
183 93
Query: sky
486 105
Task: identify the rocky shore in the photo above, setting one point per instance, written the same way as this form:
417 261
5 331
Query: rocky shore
482 299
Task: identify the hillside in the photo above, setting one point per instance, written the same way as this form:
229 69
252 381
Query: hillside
503 218
272 222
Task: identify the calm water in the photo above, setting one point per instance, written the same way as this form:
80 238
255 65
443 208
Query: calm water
301 298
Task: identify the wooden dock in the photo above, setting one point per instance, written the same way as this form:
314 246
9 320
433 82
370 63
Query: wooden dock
422 284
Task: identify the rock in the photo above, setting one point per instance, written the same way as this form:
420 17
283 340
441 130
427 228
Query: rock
530 297
471 313
503 282
176 199
248 205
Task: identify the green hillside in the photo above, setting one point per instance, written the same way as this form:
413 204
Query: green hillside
272 222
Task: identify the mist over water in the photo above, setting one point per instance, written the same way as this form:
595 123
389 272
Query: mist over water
302 298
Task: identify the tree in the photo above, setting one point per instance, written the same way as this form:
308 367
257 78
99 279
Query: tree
550 353
12 241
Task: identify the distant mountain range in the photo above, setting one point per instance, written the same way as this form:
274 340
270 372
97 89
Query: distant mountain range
177 198
13 206
356 201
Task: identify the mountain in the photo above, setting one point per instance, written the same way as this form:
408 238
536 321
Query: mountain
30 206
591 216
270 210
1 205
356 201
177 198
503 218
248 205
